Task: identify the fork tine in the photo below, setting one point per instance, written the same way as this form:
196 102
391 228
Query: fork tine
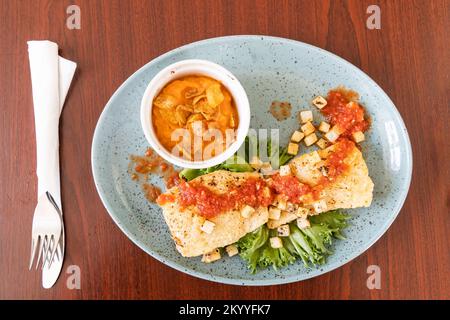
33 251
43 240
57 252
47 229
46 250
49 252
53 252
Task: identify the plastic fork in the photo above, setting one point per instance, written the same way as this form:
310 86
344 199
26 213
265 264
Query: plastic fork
46 230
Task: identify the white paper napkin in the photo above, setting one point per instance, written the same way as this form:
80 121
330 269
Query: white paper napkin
51 76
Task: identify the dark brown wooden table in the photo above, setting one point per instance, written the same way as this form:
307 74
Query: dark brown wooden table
408 57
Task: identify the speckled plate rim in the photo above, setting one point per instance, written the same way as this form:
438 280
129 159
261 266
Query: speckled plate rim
256 282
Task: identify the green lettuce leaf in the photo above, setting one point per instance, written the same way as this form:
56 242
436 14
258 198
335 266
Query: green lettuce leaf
236 164
284 156
335 222
252 245
189 174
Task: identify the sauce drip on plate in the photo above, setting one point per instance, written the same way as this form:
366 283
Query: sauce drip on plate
280 110
142 167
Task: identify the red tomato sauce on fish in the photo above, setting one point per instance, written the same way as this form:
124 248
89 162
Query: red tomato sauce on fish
165 198
297 192
252 192
335 162
290 187
347 115
257 192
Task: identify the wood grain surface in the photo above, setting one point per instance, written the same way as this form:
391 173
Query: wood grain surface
408 57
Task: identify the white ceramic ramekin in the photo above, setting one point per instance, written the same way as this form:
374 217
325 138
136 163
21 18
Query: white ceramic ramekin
195 67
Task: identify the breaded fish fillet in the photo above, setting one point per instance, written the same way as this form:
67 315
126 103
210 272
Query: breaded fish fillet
229 227
352 189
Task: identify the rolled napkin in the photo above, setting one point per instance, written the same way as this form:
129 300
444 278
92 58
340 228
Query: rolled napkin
51 76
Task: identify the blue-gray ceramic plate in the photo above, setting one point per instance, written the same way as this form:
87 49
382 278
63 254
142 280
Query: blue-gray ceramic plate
269 69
